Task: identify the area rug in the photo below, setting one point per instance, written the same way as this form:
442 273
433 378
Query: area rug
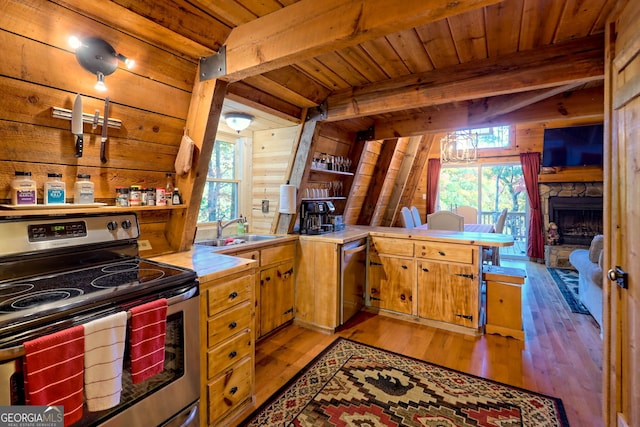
353 384
567 282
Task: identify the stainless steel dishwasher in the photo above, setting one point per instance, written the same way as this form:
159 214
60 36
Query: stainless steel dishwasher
353 277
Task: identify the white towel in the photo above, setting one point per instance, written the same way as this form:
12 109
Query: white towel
104 342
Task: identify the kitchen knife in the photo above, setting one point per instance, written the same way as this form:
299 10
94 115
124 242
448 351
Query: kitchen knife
76 124
105 125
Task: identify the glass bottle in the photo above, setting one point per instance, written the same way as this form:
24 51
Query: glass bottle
175 197
83 190
54 189
168 188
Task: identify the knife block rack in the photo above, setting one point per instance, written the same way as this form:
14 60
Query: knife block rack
63 113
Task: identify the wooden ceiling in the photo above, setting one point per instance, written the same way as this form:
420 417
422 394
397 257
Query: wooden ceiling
403 67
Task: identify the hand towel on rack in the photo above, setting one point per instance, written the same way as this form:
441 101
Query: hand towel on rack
147 338
54 370
104 342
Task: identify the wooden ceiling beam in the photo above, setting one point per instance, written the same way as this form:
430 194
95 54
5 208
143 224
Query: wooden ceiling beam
310 28
585 104
492 108
577 61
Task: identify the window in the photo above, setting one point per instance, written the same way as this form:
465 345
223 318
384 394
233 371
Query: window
492 137
220 198
490 188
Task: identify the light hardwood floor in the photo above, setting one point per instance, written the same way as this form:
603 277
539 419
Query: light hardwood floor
561 355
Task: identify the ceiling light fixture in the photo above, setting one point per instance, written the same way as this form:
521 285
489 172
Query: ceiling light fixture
238 121
98 57
460 146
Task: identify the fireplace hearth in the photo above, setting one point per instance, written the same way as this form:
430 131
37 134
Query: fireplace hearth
578 219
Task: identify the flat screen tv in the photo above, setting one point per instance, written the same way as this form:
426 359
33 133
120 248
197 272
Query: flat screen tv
573 146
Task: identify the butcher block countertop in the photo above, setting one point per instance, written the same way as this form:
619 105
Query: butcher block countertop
355 232
211 263
207 264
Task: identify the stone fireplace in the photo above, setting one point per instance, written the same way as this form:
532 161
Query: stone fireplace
577 210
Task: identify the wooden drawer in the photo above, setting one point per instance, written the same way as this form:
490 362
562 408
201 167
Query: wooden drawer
400 247
229 390
446 252
277 253
228 353
228 323
223 296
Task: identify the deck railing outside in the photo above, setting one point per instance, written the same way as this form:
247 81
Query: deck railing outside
515 224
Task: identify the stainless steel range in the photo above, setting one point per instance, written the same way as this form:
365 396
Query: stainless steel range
57 272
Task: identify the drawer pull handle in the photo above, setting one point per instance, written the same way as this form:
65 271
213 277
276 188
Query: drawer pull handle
425 269
233 325
233 295
441 253
233 390
267 278
403 297
404 267
233 354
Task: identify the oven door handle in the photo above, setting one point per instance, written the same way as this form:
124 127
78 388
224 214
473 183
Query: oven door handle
18 350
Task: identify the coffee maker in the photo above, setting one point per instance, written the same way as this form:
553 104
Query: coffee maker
315 217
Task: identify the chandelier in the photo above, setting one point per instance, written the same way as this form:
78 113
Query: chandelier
460 146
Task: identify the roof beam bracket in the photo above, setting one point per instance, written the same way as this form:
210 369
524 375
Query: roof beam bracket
366 135
319 112
214 66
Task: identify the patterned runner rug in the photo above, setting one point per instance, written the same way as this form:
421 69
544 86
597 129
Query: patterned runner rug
567 282
353 384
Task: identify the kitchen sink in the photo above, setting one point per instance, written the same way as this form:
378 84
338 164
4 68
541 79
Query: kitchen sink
237 240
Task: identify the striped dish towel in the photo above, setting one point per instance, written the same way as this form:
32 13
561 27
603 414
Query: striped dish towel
104 341
54 370
147 338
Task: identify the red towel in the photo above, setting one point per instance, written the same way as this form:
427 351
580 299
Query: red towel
147 337
54 372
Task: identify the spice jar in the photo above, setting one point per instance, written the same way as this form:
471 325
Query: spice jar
83 190
161 199
151 196
54 189
135 195
122 196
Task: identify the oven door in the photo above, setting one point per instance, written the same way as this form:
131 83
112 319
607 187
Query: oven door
169 397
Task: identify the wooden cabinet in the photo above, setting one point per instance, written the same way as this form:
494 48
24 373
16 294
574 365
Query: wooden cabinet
227 342
391 281
504 300
391 275
431 281
448 283
274 285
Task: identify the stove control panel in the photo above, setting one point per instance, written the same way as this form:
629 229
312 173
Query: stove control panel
29 234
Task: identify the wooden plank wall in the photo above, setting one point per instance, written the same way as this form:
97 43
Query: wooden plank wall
39 71
270 163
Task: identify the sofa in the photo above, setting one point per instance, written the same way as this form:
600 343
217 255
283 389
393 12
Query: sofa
588 262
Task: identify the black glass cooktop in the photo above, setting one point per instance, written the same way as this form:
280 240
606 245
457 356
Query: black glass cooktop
109 282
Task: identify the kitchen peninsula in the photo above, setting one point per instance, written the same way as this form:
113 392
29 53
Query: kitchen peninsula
432 277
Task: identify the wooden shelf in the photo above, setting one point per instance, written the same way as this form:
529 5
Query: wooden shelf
101 209
331 172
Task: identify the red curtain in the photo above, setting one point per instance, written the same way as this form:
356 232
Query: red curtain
433 176
530 167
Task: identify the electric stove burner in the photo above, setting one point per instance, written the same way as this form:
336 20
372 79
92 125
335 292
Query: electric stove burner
127 277
37 298
10 289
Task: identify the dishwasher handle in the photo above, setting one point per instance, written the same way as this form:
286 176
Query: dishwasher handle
354 250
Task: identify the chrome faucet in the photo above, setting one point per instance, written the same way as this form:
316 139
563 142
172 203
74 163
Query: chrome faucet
221 227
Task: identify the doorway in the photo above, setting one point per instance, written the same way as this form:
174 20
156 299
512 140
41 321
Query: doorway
490 188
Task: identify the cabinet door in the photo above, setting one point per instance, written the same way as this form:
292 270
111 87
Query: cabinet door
391 283
448 293
276 296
